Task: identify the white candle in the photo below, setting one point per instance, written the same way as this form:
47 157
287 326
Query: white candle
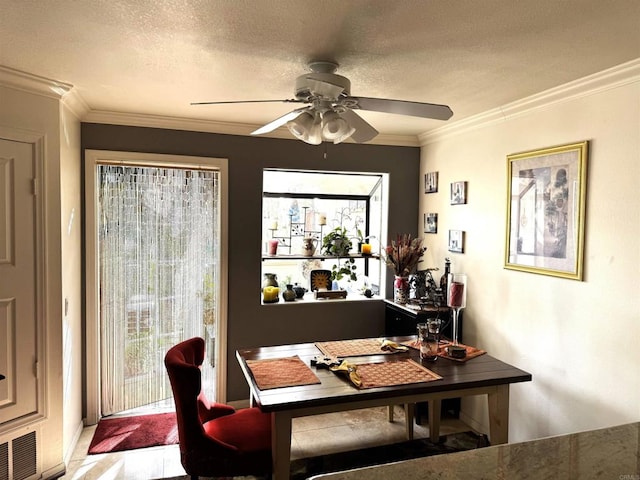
274 225
322 220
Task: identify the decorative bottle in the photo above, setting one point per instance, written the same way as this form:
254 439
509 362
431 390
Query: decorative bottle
444 279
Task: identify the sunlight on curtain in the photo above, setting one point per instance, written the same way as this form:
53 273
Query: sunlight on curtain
158 244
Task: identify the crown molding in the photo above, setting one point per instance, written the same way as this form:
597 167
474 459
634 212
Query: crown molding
615 77
74 102
31 83
46 87
209 126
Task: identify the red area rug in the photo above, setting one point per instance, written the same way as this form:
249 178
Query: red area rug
129 433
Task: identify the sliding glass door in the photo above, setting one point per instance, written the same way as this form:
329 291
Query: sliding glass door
158 241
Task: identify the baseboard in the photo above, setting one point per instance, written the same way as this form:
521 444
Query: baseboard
55 472
74 442
473 423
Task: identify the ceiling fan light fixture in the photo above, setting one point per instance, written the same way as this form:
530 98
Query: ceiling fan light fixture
335 127
307 127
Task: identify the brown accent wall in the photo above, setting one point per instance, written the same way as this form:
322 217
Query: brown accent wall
250 323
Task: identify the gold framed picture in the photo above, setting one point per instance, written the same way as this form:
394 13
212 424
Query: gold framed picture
546 210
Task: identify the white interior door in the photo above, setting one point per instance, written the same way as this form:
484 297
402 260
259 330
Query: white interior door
18 316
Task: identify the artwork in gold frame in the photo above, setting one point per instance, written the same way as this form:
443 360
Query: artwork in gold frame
546 210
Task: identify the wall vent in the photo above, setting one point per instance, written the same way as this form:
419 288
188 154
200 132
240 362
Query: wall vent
23 454
4 461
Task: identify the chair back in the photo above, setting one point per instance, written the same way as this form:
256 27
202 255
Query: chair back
215 439
182 362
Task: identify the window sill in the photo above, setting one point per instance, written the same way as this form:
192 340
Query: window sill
319 257
310 299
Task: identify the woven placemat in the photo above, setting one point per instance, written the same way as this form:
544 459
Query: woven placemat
281 372
387 374
352 348
472 352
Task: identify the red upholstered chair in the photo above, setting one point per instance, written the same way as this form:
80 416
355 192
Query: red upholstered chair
215 439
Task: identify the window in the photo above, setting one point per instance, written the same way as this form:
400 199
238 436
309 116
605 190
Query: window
300 204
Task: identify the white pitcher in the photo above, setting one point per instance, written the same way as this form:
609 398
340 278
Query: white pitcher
309 245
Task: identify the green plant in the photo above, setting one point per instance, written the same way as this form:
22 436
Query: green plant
336 243
208 300
138 355
346 269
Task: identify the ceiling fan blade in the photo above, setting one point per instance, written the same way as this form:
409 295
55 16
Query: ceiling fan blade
364 132
402 107
286 100
278 122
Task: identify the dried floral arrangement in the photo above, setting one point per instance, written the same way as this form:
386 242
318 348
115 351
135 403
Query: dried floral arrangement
403 254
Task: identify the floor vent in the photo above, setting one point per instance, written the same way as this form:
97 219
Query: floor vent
24 461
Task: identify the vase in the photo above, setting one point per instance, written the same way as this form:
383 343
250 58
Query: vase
456 300
401 290
289 295
270 280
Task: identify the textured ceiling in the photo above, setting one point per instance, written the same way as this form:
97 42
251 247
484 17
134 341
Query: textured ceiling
154 57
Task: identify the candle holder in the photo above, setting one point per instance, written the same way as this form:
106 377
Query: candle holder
456 300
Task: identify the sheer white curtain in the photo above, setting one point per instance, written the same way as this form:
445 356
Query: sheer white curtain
158 271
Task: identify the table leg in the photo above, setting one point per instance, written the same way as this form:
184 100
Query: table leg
390 413
409 414
281 445
499 415
435 407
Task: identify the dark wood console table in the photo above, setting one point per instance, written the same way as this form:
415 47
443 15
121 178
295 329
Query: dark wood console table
402 319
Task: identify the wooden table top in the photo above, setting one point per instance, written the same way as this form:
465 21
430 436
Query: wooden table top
482 371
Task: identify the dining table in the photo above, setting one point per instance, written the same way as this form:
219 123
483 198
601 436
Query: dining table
290 381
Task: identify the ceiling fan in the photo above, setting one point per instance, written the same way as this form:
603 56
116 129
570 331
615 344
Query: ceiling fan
330 112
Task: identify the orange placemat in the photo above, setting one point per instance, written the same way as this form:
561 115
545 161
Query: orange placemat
386 374
352 348
472 352
281 372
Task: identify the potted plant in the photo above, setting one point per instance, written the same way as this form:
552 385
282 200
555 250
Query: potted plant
402 256
336 243
345 269
362 239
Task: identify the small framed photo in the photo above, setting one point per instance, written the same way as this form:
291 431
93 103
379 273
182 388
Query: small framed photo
458 193
456 241
430 223
431 182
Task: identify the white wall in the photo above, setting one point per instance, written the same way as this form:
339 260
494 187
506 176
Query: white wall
40 114
71 261
579 340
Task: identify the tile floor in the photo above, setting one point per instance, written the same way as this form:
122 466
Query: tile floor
316 435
